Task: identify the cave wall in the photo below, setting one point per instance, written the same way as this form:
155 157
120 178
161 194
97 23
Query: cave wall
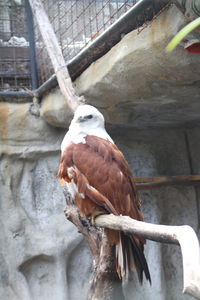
42 256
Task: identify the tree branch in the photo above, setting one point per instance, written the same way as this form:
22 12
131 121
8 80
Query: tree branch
104 283
55 54
180 235
104 275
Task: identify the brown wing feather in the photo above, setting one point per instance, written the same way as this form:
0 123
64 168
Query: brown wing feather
107 170
102 174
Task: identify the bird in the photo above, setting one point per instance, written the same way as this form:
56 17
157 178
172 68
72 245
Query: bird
100 181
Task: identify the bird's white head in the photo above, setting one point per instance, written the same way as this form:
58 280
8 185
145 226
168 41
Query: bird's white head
87 121
87 117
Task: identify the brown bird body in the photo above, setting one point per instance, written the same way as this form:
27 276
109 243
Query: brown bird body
100 181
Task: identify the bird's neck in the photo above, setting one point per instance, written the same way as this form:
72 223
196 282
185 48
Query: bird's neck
77 135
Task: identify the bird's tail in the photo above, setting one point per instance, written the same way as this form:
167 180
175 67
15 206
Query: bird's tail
130 257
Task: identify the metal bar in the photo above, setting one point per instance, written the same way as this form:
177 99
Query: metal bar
16 96
111 36
46 86
104 42
32 50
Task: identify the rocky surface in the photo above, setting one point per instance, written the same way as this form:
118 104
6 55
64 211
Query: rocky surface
39 248
138 83
54 109
139 86
41 255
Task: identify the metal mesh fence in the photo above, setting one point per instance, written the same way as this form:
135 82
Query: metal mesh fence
76 24
14 53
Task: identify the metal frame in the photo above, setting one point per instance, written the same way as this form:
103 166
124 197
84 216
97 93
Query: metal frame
32 50
142 12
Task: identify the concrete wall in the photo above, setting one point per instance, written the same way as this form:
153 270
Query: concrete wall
41 255
137 82
163 152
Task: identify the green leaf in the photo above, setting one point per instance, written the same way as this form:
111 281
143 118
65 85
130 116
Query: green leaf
182 33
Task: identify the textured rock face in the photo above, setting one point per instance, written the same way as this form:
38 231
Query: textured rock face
163 152
54 109
41 255
138 83
39 248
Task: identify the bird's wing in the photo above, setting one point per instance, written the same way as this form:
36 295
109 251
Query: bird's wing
101 165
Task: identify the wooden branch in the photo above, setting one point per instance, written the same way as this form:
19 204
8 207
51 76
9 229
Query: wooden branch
182 235
104 282
55 54
104 274
145 183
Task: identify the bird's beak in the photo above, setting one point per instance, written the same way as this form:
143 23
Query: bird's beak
81 119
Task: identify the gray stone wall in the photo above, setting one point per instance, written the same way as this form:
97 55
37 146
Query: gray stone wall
42 256
163 152
39 248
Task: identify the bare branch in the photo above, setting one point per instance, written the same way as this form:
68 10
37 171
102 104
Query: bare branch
180 235
55 54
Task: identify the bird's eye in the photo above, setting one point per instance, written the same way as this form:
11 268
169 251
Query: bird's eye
89 116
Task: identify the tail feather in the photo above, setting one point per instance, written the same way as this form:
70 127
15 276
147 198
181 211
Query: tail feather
140 261
130 258
131 267
120 260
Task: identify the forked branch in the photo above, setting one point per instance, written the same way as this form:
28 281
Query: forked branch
180 235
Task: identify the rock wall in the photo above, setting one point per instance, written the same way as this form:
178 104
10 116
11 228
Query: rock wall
42 256
137 82
39 248
163 152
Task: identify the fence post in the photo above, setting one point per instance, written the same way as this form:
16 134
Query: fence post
32 51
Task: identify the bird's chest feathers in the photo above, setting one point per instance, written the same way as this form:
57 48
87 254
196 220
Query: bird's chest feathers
73 137
77 136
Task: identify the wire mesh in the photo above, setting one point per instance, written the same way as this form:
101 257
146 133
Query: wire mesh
76 24
15 71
